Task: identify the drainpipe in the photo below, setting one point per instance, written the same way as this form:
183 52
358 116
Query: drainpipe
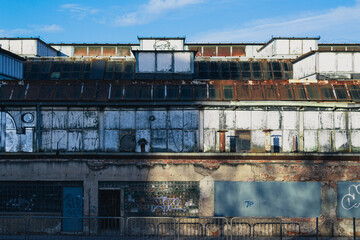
222 140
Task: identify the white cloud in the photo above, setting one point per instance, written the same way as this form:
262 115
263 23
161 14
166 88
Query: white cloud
49 28
78 11
339 24
151 11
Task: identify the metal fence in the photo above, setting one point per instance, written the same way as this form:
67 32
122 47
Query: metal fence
166 228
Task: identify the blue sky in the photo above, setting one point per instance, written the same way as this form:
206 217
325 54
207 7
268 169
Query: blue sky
121 21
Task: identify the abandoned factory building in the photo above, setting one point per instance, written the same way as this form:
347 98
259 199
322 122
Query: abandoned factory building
170 128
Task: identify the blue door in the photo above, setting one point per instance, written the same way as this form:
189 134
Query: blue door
276 144
72 207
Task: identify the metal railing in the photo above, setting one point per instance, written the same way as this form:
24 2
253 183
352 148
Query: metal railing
85 228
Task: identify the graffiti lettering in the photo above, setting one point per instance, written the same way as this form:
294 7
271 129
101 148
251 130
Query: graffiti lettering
166 204
21 204
249 203
352 199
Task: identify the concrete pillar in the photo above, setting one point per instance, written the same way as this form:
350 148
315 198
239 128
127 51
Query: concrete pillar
207 198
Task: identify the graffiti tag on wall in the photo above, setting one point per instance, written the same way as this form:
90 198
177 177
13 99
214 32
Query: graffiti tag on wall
166 204
352 198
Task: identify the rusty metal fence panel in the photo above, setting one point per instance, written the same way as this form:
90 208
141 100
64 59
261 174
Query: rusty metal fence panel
203 228
151 227
49 228
12 227
100 228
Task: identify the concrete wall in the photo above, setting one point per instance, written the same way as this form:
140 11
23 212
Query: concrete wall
27 47
206 172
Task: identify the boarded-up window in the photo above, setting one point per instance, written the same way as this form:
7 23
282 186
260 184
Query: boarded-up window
108 51
209 51
238 50
257 92
80 51
224 51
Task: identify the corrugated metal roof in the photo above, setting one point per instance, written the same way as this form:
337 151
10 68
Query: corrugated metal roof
225 90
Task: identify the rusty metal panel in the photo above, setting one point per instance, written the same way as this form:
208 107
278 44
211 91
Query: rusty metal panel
243 92
209 51
214 92
285 92
271 92
60 92
74 92
313 92
299 92
46 92
224 51
341 93
327 92
238 51
257 93
80 51
197 49
89 92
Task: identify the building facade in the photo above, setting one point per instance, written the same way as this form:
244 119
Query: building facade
169 128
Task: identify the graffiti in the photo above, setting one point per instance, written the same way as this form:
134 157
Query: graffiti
72 205
249 203
21 204
352 199
166 204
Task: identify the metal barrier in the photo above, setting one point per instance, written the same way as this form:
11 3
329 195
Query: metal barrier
50 227
12 227
104 227
203 228
151 227
240 228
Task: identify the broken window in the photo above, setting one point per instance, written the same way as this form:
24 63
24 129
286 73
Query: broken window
241 141
228 92
245 70
214 92
159 92
172 92
277 70
200 92
186 92
256 70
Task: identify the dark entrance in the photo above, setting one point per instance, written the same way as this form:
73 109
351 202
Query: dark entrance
109 206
